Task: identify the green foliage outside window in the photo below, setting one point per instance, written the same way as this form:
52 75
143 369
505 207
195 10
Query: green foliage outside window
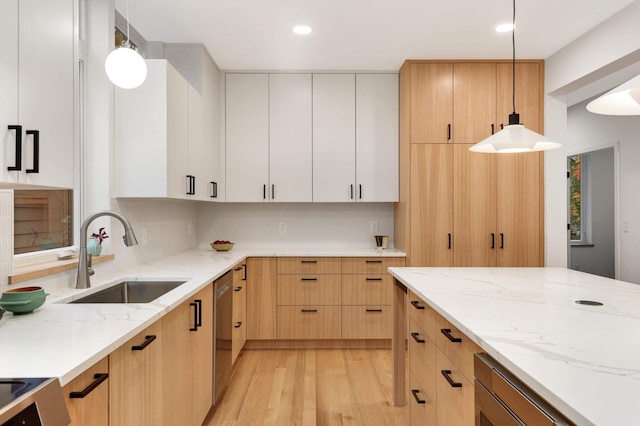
575 205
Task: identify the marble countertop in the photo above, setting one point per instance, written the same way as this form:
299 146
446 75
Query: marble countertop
584 360
62 340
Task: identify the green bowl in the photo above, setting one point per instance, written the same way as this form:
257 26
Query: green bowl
23 300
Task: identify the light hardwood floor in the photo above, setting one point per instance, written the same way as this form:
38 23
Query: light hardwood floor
310 387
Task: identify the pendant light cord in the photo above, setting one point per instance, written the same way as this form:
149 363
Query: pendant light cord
513 63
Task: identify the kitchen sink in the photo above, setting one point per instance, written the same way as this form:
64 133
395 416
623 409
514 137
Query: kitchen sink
131 292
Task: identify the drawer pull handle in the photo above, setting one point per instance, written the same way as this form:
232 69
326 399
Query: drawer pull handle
98 378
308 261
416 304
147 342
416 338
309 279
373 261
415 393
374 279
238 288
374 310
447 332
239 268
238 324
309 310
447 375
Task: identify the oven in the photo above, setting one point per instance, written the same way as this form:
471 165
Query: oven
503 400
35 402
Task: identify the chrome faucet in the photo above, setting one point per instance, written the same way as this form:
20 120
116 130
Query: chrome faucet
84 260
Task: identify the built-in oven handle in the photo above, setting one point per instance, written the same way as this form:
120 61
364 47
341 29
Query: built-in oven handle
98 379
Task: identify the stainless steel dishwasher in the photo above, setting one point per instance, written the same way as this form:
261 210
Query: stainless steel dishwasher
222 333
501 399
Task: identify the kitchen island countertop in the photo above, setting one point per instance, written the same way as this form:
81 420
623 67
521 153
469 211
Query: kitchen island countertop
584 360
62 340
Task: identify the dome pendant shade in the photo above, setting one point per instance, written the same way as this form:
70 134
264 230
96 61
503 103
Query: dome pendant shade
125 68
623 100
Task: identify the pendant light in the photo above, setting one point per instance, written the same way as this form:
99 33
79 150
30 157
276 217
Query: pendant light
623 100
514 137
124 66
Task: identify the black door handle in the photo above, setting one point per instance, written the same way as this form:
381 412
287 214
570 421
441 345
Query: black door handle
214 189
273 191
238 324
416 338
190 185
98 378
448 132
351 189
501 240
493 128
147 342
36 151
360 191
415 392
493 240
195 316
373 310
449 241
264 192
447 332
416 304
18 163
447 375
199 302
309 310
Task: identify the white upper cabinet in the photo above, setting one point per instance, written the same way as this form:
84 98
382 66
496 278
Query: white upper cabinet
37 86
212 167
377 137
154 126
290 164
334 127
247 137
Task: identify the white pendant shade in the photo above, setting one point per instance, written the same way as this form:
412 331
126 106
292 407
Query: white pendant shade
514 138
623 100
125 68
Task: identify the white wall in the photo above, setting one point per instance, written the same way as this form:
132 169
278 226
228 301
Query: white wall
321 225
587 130
611 46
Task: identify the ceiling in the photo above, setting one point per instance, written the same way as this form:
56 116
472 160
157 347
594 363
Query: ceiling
363 34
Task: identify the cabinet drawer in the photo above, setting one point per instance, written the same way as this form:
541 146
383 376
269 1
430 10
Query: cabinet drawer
422 314
422 360
369 265
93 408
239 273
309 322
455 394
309 265
309 289
367 322
367 289
238 339
422 410
456 346
239 312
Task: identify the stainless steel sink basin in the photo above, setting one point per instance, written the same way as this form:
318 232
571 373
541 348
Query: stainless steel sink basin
131 292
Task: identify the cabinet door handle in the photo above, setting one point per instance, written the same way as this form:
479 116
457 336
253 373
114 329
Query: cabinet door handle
18 163
449 241
416 338
360 191
264 192
189 185
214 189
36 151
493 240
373 310
308 261
416 304
447 375
373 261
308 279
238 288
448 132
493 128
238 324
501 240
351 196
244 277
309 310
147 342
199 302
238 268
447 332
97 380
373 279
415 393
195 316
273 191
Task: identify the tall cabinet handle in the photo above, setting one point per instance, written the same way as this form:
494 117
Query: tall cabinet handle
97 380
214 189
191 183
351 191
493 240
273 191
264 192
36 151
449 239
493 128
195 316
18 163
501 240
360 191
448 132
199 302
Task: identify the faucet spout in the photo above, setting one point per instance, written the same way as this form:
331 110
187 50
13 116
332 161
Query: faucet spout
84 261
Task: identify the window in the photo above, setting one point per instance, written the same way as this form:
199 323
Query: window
577 231
43 219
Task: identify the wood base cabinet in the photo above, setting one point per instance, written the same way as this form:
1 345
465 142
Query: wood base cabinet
261 298
239 332
87 396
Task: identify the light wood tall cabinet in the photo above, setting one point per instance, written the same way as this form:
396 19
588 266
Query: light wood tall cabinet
459 208
87 396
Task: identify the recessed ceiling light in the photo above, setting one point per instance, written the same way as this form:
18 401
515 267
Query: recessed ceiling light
302 29
505 28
